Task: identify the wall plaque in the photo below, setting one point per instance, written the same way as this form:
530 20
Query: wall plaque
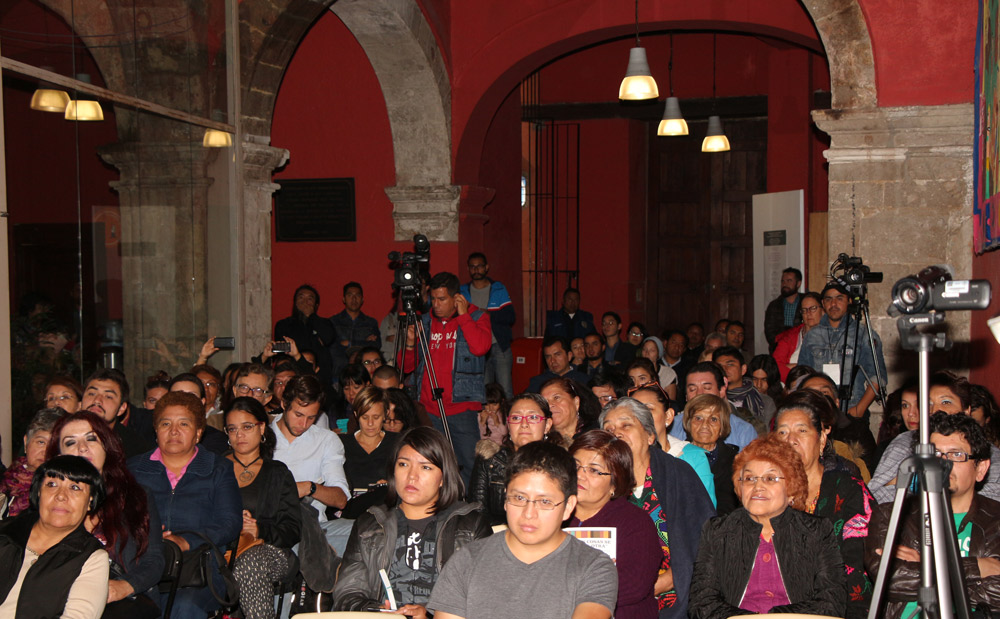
319 209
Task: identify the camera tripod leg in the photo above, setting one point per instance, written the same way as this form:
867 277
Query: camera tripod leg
431 375
903 480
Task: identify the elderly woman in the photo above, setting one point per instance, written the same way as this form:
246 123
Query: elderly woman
271 514
803 420
670 492
125 520
51 565
528 420
16 482
423 517
63 392
663 417
604 480
573 406
706 422
193 489
735 573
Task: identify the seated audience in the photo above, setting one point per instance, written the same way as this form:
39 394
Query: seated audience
961 441
608 385
422 525
706 423
804 420
574 407
604 480
271 515
740 390
211 378
155 388
766 379
283 372
670 492
556 353
124 521
707 377
788 343
367 450
855 442
642 372
652 349
213 439
193 490
902 415
529 420
63 392
734 573
503 575
106 394
16 483
402 413
52 566
663 416
353 378
370 358
491 418
983 409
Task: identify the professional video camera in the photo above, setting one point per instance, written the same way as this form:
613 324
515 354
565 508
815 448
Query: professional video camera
851 273
406 278
934 289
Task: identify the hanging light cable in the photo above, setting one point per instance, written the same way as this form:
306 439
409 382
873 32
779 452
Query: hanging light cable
673 122
715 140
638 84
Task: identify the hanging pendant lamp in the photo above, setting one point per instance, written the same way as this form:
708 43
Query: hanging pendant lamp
673 122
83 110
49 100
715 140
638 84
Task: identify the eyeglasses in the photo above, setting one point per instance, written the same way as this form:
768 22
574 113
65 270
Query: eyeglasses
546 505
246 428
608 323
591 471
377 362
244 389
653 384
810 310
517 418
952 456
636 334
770 480
604 399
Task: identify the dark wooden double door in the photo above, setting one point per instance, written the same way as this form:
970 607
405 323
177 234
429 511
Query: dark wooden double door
700 242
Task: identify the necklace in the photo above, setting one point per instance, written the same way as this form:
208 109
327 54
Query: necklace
247 475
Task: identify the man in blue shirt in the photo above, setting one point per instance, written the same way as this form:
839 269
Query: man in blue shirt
492 296
569 321
708 377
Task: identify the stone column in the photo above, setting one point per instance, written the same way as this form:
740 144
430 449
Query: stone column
254 303
428 210
901 198
163 197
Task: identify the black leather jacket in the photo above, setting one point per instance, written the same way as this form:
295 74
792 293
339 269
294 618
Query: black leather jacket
373 540
811 567
488 483
984 514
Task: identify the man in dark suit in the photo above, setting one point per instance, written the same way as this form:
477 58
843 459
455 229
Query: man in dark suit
569 321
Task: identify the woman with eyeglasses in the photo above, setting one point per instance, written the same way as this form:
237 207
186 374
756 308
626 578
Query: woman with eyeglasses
420 527
574 407
653 351
804 420
788 343
767 556
663 417
706 423
529 419
402 412
271 514
670 492
604 480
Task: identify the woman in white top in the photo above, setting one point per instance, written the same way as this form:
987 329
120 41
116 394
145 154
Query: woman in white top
46 552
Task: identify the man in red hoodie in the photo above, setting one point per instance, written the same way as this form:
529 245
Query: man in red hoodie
459 336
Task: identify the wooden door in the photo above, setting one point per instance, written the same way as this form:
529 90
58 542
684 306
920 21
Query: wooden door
700 227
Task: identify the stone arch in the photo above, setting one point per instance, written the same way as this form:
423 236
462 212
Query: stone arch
842 28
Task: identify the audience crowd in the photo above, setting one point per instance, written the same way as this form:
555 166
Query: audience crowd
664 475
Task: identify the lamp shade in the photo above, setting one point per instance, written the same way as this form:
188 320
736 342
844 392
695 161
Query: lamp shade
638 84
84 110
48 100
216 139
715 140
673 123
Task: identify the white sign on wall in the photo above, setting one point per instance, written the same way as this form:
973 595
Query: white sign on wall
778 243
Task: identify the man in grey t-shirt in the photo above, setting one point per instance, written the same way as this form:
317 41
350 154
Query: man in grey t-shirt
534 559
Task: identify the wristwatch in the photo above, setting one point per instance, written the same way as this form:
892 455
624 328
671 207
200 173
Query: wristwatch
312 488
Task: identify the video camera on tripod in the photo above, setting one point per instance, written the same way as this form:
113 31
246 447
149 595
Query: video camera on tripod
854 275
407 268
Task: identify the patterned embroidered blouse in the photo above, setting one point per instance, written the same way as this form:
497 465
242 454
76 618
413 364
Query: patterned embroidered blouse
650 503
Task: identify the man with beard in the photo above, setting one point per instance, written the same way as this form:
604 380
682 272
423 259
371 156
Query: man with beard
106 395
593 345
492 296
783 313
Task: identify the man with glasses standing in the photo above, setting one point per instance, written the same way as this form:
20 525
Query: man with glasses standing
510 575
493 297
961 441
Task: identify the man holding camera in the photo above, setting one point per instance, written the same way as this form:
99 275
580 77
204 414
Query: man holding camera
458 337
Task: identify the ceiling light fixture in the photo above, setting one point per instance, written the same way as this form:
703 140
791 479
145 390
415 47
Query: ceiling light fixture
715 140
638 84
673 122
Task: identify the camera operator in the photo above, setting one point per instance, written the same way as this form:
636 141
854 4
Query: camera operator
459 336
823 350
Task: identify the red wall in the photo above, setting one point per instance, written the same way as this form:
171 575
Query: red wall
331 116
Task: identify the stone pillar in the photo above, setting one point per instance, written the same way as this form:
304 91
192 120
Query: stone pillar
428 210
901 198
163 198
254 304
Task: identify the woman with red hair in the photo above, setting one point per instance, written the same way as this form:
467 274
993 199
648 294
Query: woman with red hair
124 520
765 557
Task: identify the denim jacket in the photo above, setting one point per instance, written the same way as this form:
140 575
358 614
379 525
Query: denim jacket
825 344
467 373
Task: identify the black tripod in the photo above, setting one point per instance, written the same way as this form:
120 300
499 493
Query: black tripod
859 309
410 316
942 584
